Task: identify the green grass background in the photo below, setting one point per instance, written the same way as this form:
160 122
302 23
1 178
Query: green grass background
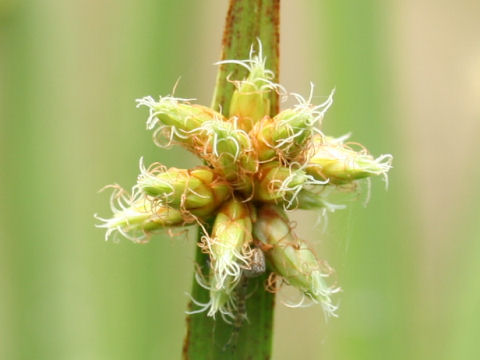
407 76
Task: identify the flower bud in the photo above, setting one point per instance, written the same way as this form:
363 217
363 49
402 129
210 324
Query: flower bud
229 249
251 99
135 217
331 159
276 183
177 118
193 190
229 151
291 258
249 104
287 133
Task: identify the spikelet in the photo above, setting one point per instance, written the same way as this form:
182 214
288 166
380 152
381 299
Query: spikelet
286 135
292 259
199 190
227 149
229 249
136 217
251 98
276 183
331 159
176 119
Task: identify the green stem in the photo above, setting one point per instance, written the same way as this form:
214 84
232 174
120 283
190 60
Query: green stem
206 338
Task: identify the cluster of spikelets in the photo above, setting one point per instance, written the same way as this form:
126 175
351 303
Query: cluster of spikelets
257 168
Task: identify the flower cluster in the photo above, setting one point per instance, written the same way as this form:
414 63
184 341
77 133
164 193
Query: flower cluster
257 167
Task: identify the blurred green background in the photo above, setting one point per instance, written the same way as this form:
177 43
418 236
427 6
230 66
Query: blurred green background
407 75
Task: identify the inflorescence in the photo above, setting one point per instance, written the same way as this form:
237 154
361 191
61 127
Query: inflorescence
257 168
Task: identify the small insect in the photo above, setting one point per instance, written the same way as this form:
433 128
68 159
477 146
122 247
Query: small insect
257 264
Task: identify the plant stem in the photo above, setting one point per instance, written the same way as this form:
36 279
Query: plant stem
213 339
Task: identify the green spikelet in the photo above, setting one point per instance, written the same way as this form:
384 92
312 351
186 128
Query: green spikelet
251 99
286 134
229 150
229 248
291 258
199 190
176 119
136 216
278 184
331 159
